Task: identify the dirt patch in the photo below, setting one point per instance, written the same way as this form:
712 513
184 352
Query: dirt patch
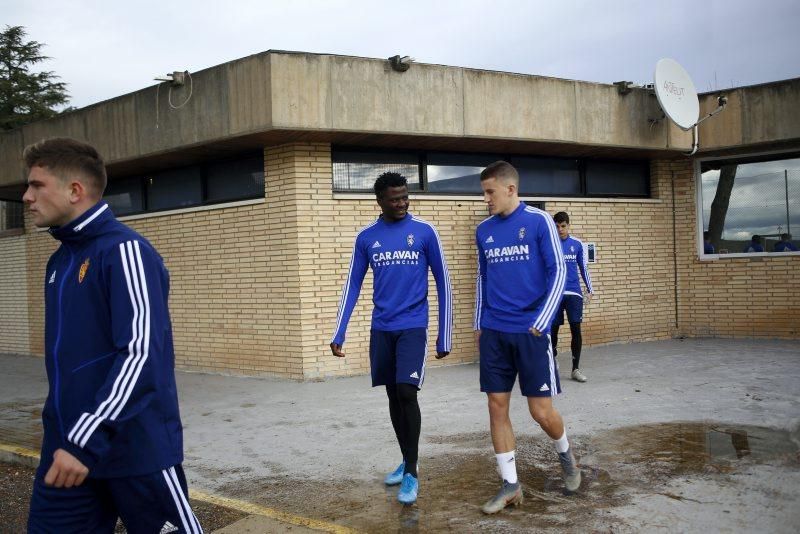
16 484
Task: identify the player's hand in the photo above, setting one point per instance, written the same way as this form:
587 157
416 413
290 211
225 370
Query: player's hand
589 296
535 332
337 350
477 337
66 471
440 355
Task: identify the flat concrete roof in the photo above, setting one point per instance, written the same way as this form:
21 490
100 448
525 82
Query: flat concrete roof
278 97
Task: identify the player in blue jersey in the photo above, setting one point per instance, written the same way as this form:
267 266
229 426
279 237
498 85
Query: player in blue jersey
575 257
113 439
708 246
399 248
521 274
785 244
754 245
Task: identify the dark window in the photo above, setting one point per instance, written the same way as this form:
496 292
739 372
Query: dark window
234 180
548 176
196 185
11 215
618 178
177 188
125 196
357 171
456 173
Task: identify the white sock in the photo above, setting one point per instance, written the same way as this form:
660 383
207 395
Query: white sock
562 445
507 466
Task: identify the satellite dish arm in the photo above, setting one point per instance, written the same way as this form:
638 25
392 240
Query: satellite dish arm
722 101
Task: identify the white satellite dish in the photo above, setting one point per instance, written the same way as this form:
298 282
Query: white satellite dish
676 94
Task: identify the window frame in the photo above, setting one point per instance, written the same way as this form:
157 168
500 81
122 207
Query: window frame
757 157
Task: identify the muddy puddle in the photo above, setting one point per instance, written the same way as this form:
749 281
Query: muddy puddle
21 423
616 465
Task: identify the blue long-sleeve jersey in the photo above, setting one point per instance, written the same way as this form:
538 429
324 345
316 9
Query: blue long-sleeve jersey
112 399
577 266
399 254
521 271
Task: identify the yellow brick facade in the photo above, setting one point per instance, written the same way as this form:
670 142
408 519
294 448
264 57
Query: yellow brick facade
255 288
14 327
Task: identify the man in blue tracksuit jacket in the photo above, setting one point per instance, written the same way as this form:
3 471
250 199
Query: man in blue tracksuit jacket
399 248
521 274
113 443
576 258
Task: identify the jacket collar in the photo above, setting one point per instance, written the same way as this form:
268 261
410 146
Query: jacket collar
85 226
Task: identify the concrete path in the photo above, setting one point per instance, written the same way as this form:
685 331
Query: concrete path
682 435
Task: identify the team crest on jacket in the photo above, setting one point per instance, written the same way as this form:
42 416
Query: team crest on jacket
521 233
83 269
410 240
572 248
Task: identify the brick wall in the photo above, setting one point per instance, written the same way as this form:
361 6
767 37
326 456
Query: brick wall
255 288
14 328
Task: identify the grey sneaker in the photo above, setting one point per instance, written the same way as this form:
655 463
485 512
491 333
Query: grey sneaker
572 474
508 494
577 375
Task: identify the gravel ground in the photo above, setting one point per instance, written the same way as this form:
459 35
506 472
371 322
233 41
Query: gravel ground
16 483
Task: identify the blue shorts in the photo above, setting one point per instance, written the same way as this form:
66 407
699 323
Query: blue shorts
150 503
505 355
573 305
398 356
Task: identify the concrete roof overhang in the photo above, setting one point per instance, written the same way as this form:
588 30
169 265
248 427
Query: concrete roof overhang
277 97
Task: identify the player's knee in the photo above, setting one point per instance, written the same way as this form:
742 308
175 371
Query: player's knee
406 393
543 414
498 408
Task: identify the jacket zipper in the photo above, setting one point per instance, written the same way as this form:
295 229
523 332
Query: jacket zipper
57 392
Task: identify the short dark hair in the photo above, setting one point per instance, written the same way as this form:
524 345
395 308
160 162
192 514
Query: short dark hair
706 234
785 237
387 180
756 237
501 170
64 157
561 216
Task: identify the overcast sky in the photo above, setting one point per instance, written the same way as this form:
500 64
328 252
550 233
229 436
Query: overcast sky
103 49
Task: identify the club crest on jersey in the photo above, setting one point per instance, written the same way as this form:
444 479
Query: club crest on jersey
521 233
410 240
572 248
83 269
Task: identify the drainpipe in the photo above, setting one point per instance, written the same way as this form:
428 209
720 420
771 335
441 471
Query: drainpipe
674 248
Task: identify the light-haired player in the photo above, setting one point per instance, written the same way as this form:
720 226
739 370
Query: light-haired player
521 275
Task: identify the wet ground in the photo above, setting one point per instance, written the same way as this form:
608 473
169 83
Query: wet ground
619 467
672 436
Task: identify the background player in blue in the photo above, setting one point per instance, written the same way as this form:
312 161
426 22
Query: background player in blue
785 244
521 274
113 440
572 301
708 246
399 248
754 245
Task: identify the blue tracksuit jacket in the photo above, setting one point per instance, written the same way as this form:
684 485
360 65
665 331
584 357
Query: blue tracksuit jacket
112 400
399 254
577 266
521 272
